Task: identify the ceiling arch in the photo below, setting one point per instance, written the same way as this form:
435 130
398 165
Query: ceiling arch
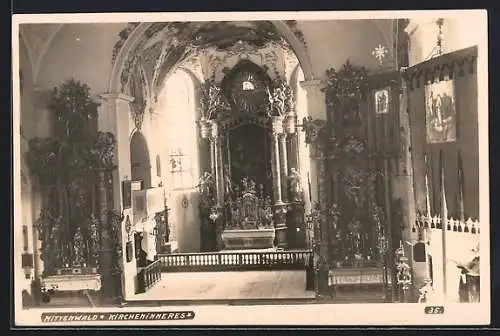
144 31
37 39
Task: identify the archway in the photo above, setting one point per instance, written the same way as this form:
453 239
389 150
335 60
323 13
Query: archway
139 160
138 34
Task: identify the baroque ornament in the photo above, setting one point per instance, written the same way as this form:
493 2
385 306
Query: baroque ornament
281 98
347 83
312 127
66 164
182 40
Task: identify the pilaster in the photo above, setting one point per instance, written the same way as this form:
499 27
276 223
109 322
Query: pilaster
114 117
317 121
316 106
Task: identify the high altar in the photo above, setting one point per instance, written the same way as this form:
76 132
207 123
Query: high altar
250 191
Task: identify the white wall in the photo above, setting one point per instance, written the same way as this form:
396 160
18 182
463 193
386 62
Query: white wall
459 249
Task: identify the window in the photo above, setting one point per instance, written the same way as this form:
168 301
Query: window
180 131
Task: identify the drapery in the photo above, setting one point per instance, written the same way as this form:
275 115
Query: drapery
460 154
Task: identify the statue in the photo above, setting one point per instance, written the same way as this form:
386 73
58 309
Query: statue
94 240
261 190
308 129
251 186
244 184
78 249
295 185
235 213
267 216
53 252
228 185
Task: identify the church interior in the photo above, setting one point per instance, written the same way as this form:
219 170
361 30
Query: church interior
341 156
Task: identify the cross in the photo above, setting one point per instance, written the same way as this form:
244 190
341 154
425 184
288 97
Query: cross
379 53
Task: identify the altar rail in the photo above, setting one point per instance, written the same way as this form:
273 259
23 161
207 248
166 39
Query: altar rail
149 276
456 225
237 261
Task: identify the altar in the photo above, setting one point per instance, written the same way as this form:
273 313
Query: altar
249 219
249 122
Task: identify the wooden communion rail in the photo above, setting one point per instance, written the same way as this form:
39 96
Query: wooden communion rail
149 276
235 261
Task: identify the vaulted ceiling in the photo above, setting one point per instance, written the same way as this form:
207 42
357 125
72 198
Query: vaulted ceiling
37 39
165 45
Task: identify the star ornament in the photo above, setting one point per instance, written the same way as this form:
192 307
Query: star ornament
379 53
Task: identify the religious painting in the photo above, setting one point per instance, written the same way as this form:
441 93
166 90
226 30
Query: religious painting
440 112
248 154
382 101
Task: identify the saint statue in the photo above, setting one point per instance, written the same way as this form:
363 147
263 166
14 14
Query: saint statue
228 185
94 240
295 185
78 249
235 213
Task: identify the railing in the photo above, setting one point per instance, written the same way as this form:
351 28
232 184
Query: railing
240 261
461 248
455 225
149 276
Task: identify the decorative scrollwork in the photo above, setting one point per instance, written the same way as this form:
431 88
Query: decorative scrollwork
311 127
123 36
212 100
280 98
348 82
115 239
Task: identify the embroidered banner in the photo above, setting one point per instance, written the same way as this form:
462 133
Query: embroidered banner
444 119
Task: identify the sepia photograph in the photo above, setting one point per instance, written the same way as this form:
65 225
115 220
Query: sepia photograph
303 168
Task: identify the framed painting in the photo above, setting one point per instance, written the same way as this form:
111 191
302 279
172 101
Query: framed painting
382 100
440 112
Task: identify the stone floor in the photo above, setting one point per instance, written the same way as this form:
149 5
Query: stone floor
229 286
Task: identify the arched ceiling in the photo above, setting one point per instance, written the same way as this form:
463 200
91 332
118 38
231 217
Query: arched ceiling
164 46
37 38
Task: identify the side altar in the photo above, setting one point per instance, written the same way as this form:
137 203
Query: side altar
251 188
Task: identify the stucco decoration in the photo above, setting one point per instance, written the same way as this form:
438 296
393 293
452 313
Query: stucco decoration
124 34
292 24
166 45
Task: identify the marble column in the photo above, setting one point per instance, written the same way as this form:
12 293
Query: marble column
212 140
277 129
316 106
217 162
114 117
284 167
279 206
215 143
